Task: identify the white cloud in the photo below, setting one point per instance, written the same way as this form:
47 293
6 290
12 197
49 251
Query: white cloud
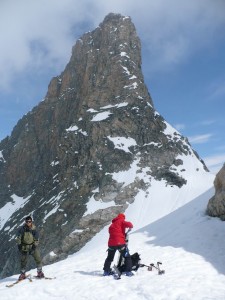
176 29
36 35
199 139
207 122
39 34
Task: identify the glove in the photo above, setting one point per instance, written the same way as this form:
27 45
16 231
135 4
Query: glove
19 247
36 243
126 238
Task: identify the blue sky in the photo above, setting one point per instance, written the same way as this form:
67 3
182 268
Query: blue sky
183 59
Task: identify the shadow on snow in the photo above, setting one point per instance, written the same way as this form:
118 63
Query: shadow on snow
190 228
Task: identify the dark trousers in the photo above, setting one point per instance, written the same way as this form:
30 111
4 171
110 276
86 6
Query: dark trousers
125 254
24 257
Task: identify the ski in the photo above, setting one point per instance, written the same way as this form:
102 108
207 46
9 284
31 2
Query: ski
18 281
160 272
117 274
48 278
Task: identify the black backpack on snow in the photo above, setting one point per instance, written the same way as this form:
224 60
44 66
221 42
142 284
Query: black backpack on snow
135 258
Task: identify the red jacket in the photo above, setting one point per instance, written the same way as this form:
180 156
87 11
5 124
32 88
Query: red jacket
117 231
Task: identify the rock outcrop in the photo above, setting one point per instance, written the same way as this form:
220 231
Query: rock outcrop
216 205
96 121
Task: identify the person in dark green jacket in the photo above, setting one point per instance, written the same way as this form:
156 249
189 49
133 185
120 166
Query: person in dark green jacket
27 240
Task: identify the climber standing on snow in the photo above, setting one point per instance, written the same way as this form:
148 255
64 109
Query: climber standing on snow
27 240
117 241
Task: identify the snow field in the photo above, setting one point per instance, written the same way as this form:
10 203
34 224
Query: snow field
170 225
191 249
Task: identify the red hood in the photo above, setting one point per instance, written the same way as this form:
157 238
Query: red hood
119 217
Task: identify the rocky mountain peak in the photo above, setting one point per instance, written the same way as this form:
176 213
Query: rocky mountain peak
105 63
96 127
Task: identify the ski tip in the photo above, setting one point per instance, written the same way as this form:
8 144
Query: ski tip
28 276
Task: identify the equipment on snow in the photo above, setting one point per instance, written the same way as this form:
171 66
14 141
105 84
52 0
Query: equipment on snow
129 274
135 259
22 276
20 280
40 274
48 278
117 274
108 273
120 267
136 263
160 272
30 277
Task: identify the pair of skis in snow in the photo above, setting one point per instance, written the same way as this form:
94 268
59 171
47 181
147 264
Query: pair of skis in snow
30 278
151 266
117 273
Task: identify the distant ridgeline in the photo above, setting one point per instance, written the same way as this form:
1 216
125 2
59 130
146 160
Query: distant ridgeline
67 162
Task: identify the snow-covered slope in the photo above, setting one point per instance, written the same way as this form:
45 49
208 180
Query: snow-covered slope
189 244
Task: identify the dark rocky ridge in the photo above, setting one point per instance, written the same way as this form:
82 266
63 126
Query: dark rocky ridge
64 152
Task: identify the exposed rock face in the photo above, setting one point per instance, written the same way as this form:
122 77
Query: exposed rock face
96 120
216 205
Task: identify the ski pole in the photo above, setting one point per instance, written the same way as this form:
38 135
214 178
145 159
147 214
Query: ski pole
148 267
126 235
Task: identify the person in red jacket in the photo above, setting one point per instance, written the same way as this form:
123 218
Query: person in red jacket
117 241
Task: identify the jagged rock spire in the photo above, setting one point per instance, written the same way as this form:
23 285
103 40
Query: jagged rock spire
96 121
